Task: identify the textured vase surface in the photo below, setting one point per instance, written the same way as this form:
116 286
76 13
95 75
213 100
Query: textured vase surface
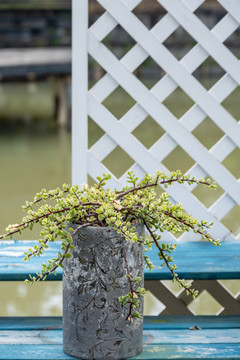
94 322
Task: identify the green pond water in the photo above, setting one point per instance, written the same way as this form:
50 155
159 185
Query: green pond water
35 154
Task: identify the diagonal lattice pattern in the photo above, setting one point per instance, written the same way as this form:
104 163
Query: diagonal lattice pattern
179 304
150 102
117 71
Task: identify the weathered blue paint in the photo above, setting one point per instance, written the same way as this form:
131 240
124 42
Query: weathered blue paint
195 260
150 352
165 322
179 322
12 266
30 323
164 338
150 337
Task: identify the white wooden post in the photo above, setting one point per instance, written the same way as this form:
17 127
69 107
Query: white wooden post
79 91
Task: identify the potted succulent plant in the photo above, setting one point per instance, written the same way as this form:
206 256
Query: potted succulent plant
103 253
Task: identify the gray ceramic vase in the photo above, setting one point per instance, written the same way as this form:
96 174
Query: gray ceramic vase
94 322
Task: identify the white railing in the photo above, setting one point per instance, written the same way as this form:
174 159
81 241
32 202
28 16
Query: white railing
178 73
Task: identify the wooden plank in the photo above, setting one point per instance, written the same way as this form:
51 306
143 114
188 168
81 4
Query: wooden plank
20 63
34 71
21 57
190 351
35 4
12 266
220 336
30 337
153 352
32 352
30 323
150 322
185 322
203 261
150 337
164 338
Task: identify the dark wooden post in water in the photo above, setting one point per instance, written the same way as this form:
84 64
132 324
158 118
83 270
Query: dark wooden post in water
62 100
38 64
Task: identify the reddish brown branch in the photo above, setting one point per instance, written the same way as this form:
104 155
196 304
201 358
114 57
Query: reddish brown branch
121 194
19 227
170 214
129 278
175 276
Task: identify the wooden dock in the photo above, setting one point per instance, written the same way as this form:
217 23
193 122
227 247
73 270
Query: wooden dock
34 62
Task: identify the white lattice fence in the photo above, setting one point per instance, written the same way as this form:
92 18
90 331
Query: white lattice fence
178 73
214 298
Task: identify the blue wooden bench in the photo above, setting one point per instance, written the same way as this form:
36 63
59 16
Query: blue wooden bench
165 337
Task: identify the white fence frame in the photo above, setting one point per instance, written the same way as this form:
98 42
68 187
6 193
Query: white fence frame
150 102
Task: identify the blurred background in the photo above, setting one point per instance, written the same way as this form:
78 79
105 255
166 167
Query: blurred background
35 115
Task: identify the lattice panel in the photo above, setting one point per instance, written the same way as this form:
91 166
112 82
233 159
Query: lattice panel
174 133
217 298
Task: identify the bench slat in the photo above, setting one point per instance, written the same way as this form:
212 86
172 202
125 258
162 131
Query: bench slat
150 337
165 337
195 260
151 352
165 322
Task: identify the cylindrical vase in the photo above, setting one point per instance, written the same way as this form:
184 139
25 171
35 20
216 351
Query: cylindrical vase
94 321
